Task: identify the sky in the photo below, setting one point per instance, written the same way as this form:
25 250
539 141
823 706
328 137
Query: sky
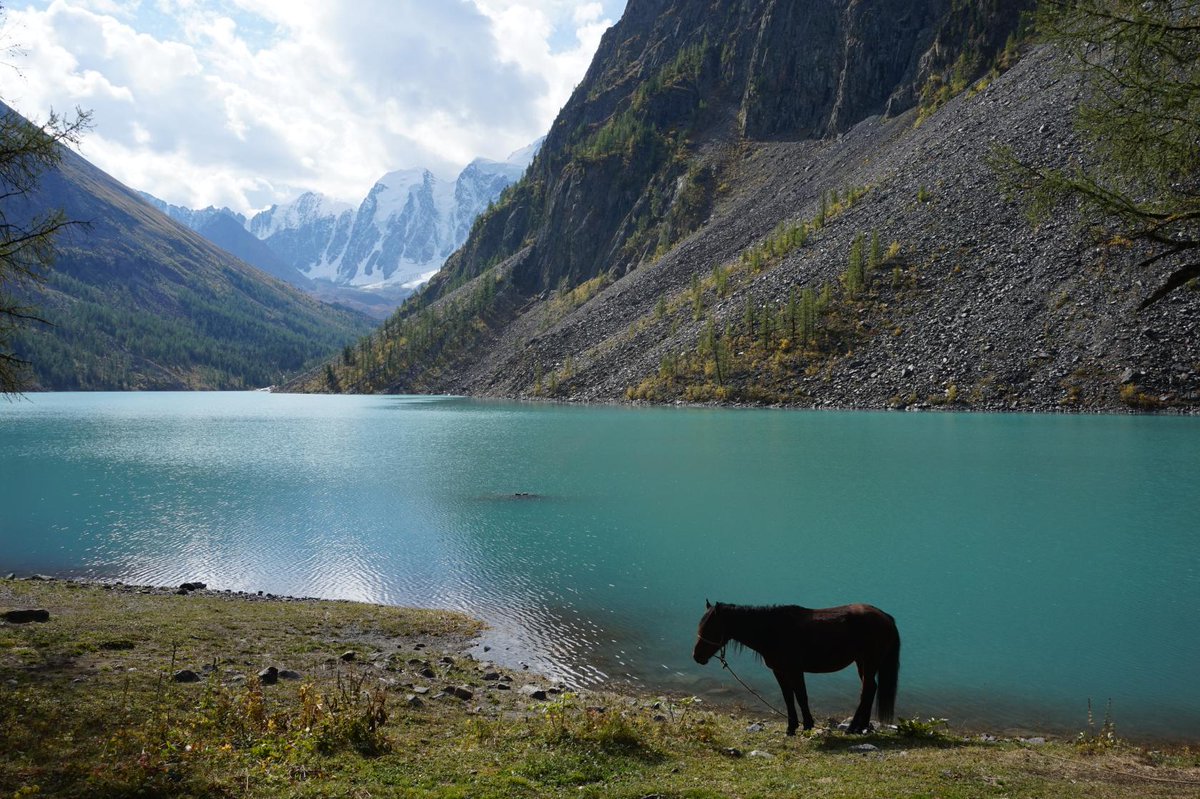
245 103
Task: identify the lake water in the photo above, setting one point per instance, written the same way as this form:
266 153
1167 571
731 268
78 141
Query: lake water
1032 562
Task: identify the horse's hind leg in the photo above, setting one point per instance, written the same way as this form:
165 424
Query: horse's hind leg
861 723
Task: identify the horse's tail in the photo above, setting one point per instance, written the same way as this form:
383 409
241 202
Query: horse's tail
889 675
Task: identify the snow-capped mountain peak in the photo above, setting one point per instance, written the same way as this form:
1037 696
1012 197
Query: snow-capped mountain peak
304 210
524 156
408 224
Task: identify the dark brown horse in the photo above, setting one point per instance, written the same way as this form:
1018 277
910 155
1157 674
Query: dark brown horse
793 640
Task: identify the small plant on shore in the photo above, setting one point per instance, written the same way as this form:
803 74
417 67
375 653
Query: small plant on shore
1095 739
1134 397
929 729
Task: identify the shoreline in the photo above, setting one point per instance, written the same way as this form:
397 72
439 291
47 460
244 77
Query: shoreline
140 690
736 701
1046 409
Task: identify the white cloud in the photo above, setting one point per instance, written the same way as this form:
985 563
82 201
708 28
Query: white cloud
247 102
526 34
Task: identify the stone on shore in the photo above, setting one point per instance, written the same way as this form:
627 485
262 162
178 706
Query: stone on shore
26 615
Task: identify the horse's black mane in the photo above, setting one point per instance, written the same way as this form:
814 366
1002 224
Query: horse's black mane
756 609
753 615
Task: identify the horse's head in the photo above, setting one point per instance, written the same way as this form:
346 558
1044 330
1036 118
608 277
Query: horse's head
711 636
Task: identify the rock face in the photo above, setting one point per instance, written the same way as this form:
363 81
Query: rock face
613 163
650 223
817 68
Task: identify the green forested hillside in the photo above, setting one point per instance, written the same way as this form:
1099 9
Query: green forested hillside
137 301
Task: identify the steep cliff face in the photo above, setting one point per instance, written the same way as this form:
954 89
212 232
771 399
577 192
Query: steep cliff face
768 201
631 162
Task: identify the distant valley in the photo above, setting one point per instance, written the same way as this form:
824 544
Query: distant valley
146 295
134 300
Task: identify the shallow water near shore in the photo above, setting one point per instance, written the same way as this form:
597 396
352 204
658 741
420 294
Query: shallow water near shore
1032 562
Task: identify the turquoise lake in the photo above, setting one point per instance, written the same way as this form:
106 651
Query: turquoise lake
1032 562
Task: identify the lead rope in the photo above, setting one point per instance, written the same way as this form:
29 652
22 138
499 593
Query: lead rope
725 664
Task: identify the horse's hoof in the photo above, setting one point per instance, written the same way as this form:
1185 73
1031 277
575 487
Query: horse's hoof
791 731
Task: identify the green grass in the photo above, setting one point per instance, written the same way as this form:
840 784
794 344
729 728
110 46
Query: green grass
88 708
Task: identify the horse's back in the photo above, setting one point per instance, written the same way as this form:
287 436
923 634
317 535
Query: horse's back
872 618
858 613
858 625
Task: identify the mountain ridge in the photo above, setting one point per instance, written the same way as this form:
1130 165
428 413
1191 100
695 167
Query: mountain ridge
136 300
691 233
369 257
407 224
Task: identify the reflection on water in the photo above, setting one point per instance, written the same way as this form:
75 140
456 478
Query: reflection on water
1031 562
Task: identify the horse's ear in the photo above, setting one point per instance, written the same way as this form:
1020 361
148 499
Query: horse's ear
707 604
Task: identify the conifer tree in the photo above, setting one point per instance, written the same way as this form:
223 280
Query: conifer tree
27 241
1141 121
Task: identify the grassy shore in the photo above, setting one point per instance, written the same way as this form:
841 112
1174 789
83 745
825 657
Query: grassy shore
383 703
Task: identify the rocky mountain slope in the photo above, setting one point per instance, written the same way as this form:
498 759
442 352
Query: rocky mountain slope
747 203
136 300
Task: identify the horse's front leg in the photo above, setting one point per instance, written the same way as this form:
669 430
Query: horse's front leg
801 691
785 685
